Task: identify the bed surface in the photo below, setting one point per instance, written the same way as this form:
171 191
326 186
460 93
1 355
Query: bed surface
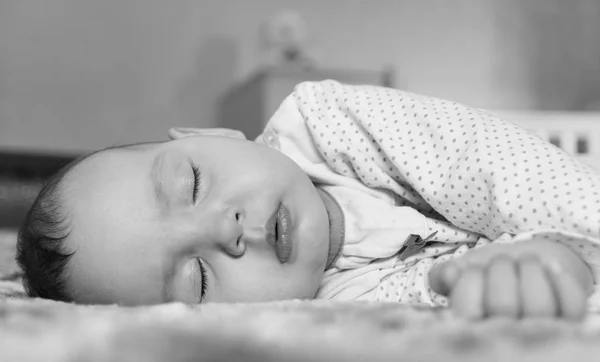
34 330
287 331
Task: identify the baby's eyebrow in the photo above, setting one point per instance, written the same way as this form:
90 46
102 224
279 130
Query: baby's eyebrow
156 177
168 276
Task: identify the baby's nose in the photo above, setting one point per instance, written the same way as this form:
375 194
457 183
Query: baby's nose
230 231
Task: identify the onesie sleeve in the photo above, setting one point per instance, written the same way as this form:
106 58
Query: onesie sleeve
471 168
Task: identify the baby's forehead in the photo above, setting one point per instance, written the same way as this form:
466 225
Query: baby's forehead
108 184
102 163
116 151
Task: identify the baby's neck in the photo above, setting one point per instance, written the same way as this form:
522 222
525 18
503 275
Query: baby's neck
336 227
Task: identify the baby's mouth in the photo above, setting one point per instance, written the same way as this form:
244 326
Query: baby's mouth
279 227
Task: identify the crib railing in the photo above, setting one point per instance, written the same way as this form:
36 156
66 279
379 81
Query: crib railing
577 133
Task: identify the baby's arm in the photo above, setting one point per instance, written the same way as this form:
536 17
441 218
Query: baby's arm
538 278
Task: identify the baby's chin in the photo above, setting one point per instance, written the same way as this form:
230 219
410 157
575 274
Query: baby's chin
309 291
318 274
307 284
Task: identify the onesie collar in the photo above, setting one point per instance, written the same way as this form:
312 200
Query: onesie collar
336 226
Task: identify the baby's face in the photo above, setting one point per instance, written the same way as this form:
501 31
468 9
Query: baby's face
146 230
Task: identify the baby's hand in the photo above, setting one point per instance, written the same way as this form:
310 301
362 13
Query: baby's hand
523 280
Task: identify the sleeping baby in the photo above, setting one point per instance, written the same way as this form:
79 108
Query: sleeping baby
350 193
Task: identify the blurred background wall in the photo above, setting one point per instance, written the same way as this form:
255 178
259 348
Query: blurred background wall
83 74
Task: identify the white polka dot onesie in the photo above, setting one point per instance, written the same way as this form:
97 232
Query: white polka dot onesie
399 163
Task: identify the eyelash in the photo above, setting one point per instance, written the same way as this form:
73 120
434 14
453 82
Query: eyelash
204 281
196 171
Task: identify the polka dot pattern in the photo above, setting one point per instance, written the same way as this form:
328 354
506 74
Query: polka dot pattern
475 177
479 172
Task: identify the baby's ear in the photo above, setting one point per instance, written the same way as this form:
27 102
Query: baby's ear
183 132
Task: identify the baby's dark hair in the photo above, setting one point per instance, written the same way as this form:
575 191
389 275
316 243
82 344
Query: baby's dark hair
41 253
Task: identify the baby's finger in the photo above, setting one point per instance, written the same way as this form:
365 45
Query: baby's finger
537 294
572 299
443 277
466 298
502 294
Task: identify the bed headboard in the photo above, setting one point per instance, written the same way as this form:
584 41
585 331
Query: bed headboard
22 174
577 133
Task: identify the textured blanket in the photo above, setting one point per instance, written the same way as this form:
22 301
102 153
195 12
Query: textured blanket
36 330
41 330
